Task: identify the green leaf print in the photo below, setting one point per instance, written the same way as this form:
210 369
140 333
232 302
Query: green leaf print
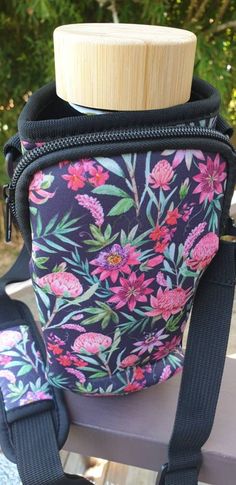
111 166
110 190
121 207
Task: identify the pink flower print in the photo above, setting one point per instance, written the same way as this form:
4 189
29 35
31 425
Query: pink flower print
74 326
193 235
9 339
94 207
172 217
161 175
168 302
160 279
61 284
99 176
75 177
87 164
148 368
77 373
5 359
37 189
134 386
210 179
186 155
165 349
34 396
117 259
7 374
155 261
203 252
129 361
162 235
131 291
150 341
166 373
92 342
138 374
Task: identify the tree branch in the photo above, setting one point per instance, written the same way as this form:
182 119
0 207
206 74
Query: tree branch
227 25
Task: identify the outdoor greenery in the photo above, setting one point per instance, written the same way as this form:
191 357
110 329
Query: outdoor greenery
26 55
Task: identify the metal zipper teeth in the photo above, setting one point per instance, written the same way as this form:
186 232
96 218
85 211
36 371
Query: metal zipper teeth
129 134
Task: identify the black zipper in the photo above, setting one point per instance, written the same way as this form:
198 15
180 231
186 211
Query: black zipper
108 136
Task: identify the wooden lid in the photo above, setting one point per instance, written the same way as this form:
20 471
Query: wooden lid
123 66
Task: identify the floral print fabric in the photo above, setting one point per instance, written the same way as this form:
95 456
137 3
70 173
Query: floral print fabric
119 245
22 371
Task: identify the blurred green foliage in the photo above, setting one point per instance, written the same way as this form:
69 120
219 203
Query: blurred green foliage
26 54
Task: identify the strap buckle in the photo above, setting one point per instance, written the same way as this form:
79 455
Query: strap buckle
162 475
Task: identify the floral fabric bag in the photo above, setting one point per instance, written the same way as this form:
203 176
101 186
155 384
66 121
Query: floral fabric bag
121 215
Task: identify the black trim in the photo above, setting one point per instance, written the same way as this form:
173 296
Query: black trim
21 195
46 116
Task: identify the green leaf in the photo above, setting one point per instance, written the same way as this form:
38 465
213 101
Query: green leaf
187 273
39 225
110 190
87 295
39 262
107 233
96 233
24 370
111 165
121 207
33 210
106 321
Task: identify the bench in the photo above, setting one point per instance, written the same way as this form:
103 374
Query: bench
136 429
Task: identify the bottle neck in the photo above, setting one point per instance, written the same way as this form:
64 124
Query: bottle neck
88 111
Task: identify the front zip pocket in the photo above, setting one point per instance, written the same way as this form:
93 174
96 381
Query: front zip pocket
105 137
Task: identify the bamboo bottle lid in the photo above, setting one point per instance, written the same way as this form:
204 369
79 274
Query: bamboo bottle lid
123 66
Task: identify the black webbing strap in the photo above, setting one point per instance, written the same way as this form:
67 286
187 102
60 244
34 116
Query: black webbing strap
203 369
34 439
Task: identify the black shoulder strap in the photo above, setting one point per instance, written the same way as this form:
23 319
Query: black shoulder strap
31 437
203 369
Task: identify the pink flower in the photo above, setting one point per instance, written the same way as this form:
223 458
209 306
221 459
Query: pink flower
138 374
134 386
210 179
115 260
99 177
40 182
94 207
92 342
186 155
77 373
161 175
167 347
169 302
61 284
203 252
5 359
7 374
150 341
155 261
131 291
160 279
73 326
193 236
9 339
166 373
129 361
172 217
75 177
34 396
162 235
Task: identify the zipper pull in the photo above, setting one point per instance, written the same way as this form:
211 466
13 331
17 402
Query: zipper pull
8 213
